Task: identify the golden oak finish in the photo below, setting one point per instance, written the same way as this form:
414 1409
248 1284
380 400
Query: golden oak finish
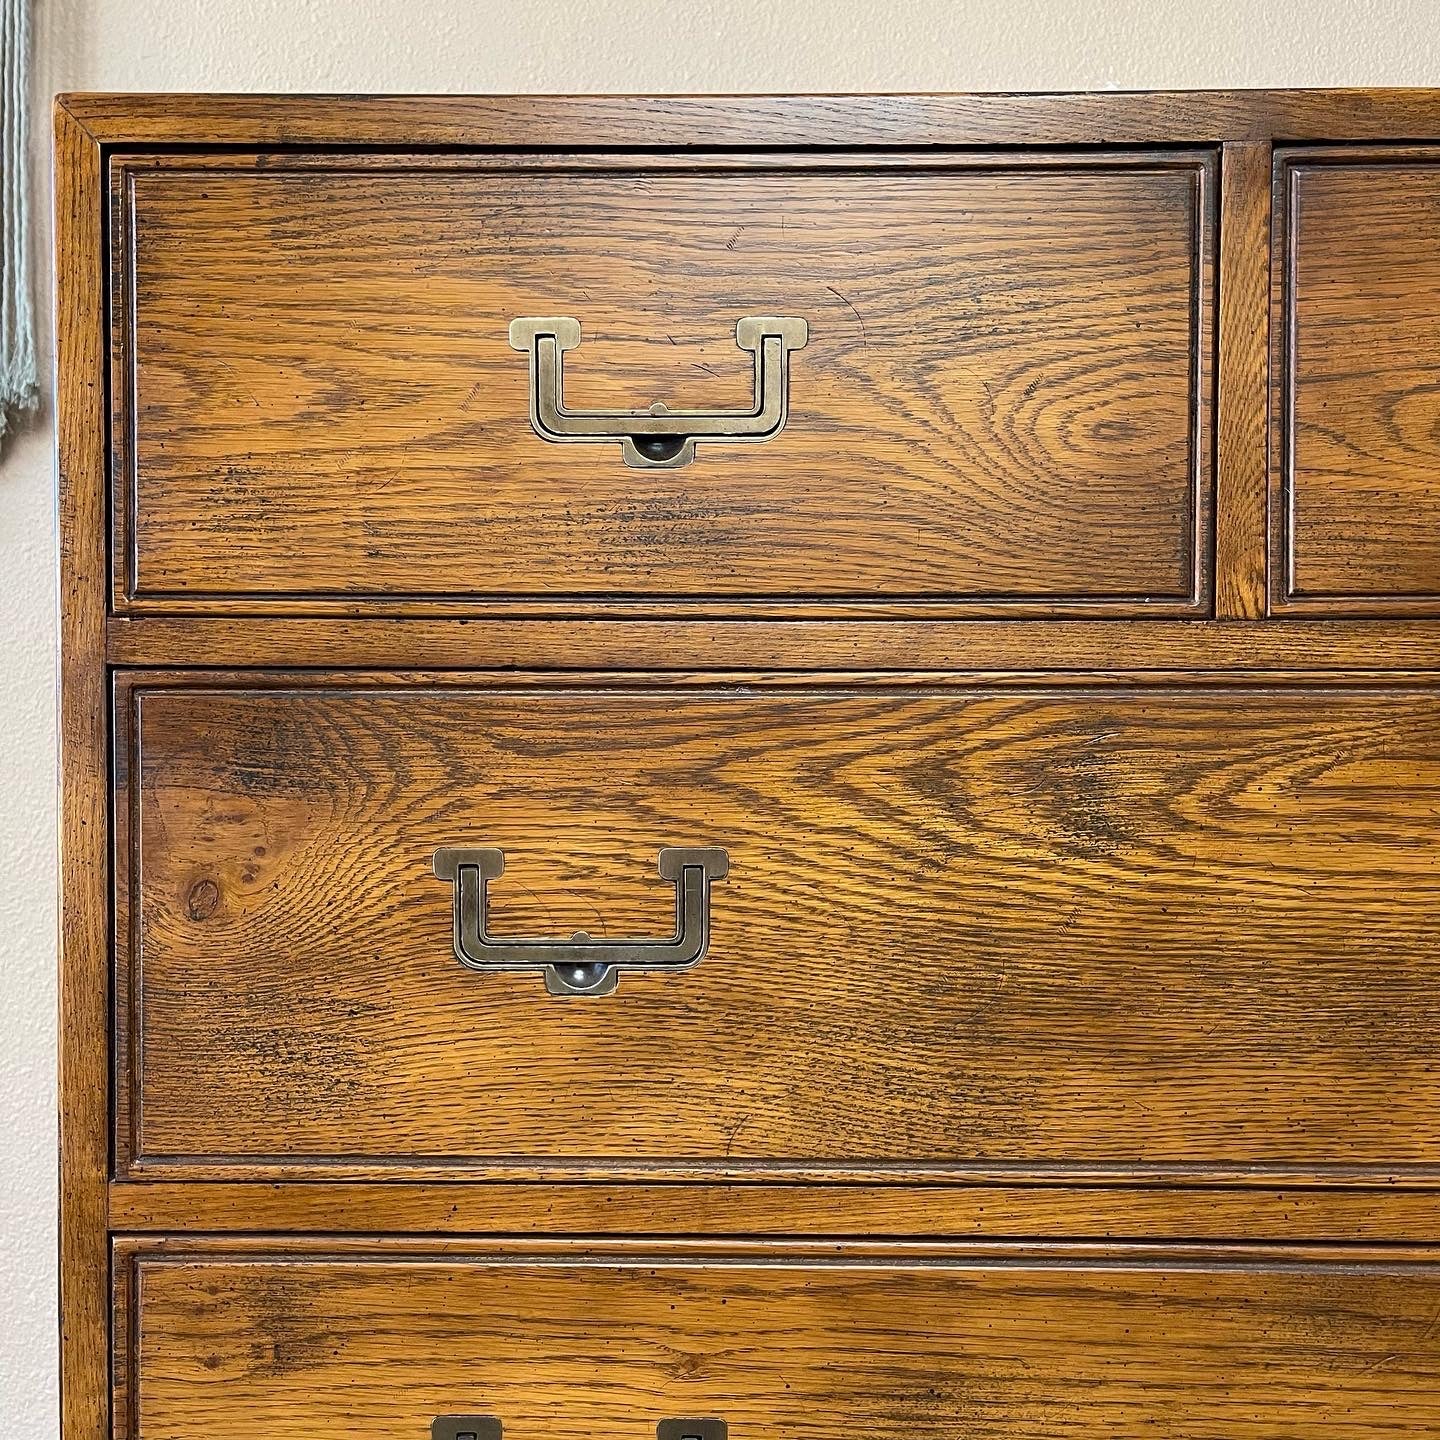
847 1342
689 645
688 122
1004 397
1061 681
1357 493
1075 1206
1021 926
83 802
1242 420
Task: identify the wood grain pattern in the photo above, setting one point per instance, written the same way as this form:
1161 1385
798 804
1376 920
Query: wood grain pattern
705 121
689 645
1005 397
1357 484
785 1344
1119 927
1242 414
1072 1208
1112 927
83 1080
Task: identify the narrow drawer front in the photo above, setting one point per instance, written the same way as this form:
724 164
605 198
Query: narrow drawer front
1357 518
1002 399
779 1346
1099 925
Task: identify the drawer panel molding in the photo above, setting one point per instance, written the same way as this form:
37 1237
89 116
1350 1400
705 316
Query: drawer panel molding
999 930
1004 404
859 1342
1355 490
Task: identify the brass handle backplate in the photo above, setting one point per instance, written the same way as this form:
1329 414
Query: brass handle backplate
580 965
659 437
487 1427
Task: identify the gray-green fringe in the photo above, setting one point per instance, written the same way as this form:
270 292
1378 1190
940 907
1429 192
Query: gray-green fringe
18 378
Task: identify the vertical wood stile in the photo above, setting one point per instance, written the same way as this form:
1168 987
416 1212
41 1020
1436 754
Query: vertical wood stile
1243 382
83 782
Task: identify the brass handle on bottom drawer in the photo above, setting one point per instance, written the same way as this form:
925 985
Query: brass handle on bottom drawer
581 965
487 1427
659 437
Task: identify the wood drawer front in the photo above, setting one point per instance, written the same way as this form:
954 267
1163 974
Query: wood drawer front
1356 518
782 1345
1004 404
1106 926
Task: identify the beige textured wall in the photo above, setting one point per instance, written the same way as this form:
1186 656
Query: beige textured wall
556 45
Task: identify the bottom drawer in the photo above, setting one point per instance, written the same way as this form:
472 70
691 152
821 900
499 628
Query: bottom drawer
300 1342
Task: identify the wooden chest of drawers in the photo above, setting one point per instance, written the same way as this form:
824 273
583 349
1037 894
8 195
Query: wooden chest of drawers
982 552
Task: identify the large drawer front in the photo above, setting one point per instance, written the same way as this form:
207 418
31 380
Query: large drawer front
1106 925
1004 401
781 1345
1357 507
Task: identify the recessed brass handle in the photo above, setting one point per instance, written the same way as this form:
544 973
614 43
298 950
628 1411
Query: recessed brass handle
487 1427
580 965
659 437
466 1427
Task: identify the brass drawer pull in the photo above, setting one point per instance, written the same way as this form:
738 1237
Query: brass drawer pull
487 1427
659 437
581 965
465 1427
